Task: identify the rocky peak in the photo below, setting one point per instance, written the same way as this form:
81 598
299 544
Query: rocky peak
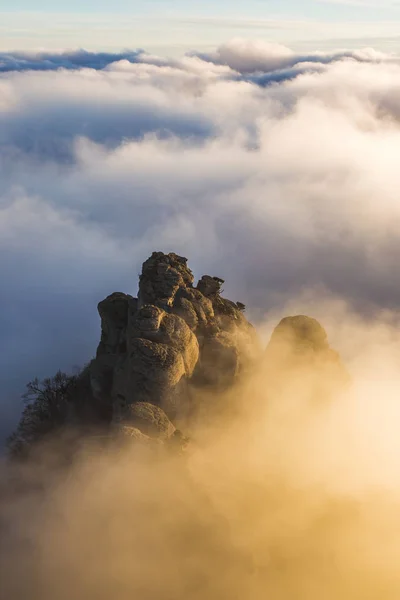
210 287
299 361
155 349
162 276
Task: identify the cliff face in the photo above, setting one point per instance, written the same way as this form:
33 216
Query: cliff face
174 337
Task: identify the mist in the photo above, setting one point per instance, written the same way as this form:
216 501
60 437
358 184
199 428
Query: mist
289 488
277 172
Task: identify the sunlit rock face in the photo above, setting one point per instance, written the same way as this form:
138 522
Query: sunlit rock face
173 338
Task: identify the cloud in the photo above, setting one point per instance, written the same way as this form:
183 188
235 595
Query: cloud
239 54
278 181
45 61
248 56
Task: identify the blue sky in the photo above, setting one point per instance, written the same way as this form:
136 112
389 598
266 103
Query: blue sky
173 26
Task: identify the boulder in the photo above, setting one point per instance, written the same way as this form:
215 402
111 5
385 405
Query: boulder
151 420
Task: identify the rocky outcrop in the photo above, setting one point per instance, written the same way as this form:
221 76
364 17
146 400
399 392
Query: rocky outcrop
174 347
149 419
299 361
298 339
156 348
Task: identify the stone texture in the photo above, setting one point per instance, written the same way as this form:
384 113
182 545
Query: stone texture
155 325
149 419
210 287
219 362
133 434
193 307
162 276
153 349
148 374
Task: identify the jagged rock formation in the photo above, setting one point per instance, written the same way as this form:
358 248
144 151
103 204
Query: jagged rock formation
157 351
173 336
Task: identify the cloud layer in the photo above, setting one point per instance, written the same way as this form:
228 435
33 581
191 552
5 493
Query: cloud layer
45 61
275 171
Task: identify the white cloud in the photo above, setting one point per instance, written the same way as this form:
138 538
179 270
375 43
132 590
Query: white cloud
274 187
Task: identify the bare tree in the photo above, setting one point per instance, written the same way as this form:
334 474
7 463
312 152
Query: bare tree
48 404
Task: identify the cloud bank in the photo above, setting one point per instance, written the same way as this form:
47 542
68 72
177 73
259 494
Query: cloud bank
45 61
276 171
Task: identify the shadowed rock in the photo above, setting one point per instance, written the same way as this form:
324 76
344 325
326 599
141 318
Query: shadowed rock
299 362
300 333
301 338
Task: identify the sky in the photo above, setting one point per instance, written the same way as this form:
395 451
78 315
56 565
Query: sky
175 26
259 139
